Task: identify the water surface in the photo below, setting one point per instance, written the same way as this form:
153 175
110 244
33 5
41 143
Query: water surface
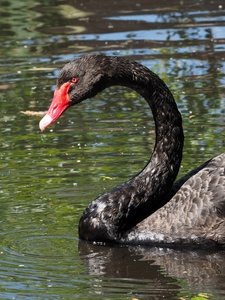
47 179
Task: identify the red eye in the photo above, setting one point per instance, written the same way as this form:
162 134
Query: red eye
74 80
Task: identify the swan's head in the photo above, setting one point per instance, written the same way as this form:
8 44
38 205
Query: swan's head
80 79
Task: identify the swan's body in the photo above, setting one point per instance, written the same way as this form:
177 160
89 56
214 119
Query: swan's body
149 208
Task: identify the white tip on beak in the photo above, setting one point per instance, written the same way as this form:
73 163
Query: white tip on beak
45 121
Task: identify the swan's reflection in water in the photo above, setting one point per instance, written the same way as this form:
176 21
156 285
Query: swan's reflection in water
154 272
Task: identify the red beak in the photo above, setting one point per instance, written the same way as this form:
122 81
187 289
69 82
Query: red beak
61 101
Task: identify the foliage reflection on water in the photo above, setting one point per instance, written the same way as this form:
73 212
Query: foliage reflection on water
48 178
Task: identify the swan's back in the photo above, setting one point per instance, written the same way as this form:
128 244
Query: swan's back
194 215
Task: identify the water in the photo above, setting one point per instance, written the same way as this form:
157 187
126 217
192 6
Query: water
47 179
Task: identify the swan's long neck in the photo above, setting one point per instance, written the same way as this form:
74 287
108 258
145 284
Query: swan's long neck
115 212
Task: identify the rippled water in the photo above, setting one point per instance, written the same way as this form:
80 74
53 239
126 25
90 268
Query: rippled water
47 179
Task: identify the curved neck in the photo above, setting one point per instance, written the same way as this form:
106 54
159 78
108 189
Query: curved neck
117 211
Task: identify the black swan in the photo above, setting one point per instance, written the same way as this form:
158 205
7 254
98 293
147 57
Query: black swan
148 209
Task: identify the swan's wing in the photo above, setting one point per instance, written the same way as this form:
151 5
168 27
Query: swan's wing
196 210
201 201
205 187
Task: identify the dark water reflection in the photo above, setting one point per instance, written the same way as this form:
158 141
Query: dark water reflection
168 270
47 179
